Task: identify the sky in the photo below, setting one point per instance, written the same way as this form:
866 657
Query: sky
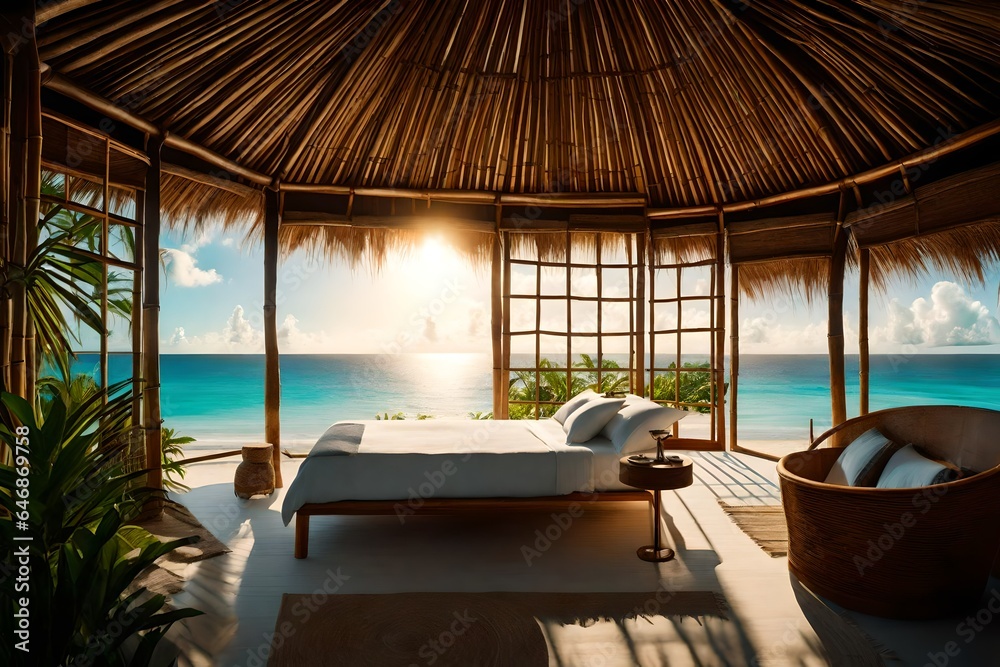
431 300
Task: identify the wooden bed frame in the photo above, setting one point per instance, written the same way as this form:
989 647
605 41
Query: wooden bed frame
451 506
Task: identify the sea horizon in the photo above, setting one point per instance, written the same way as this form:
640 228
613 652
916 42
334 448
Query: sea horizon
218 398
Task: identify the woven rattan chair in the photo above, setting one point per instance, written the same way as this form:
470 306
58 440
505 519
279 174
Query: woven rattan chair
899 553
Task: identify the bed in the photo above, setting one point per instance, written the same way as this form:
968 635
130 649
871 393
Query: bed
449 467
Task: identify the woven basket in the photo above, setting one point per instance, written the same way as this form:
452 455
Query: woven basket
899 553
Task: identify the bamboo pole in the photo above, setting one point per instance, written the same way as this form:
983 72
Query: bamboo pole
642 250
720 332
863 358
105 252
496 319
505 238
734 350
137 275
6 195
20 110
32 191
151 320
835 321
272 373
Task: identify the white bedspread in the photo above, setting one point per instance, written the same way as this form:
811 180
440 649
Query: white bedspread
403 460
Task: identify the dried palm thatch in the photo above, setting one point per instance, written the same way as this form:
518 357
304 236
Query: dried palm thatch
188 205
965 252
371 247
551 246
687 102
684 104
807 277
683 249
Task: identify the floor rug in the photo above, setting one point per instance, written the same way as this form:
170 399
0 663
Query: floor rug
461 629
166 575
764 524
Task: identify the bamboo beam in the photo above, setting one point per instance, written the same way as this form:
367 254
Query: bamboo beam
734 350
68 88
272 375
151 320
54 8
208 179
946 147
496 321
835 322
863 357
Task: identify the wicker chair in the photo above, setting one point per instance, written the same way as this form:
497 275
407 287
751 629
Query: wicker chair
899 553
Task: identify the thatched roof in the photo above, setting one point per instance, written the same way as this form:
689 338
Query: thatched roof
684 104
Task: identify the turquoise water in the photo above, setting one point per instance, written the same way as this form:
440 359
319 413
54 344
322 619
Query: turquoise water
220 397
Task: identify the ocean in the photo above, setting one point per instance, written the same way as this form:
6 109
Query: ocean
219 399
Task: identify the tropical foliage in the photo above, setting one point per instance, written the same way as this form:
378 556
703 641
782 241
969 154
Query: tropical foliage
63 482
385 416
83 556
550 388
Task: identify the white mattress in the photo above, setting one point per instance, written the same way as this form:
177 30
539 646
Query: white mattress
400 460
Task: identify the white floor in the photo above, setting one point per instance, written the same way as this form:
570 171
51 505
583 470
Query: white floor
771 622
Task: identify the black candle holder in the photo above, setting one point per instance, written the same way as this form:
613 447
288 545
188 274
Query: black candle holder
660 435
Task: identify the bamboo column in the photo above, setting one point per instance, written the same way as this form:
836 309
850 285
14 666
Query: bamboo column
720 331
835 322
496 318
642 250
6 195
863 361
32 188
505 345
138 245
151 317
734 349
19 113
105 251
272 374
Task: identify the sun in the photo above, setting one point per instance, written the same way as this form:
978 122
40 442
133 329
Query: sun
434 251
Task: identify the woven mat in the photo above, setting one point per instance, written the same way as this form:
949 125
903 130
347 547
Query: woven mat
764 524
166 576
482 629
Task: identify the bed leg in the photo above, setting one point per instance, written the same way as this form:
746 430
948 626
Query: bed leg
301 535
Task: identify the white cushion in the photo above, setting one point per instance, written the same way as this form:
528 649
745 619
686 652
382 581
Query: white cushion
587 421
908 469
629 429
862 461
573 404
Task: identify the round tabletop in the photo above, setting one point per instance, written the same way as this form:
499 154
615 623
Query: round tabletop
656 476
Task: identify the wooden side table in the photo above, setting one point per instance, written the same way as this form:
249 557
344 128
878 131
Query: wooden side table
656 477
255 475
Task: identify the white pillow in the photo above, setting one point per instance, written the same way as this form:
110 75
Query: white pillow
862 461
573 404
586 422
629 429
908 469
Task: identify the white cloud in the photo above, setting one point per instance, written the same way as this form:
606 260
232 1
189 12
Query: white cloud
229 242
949 318
183 269
202 238
240 332
767 335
